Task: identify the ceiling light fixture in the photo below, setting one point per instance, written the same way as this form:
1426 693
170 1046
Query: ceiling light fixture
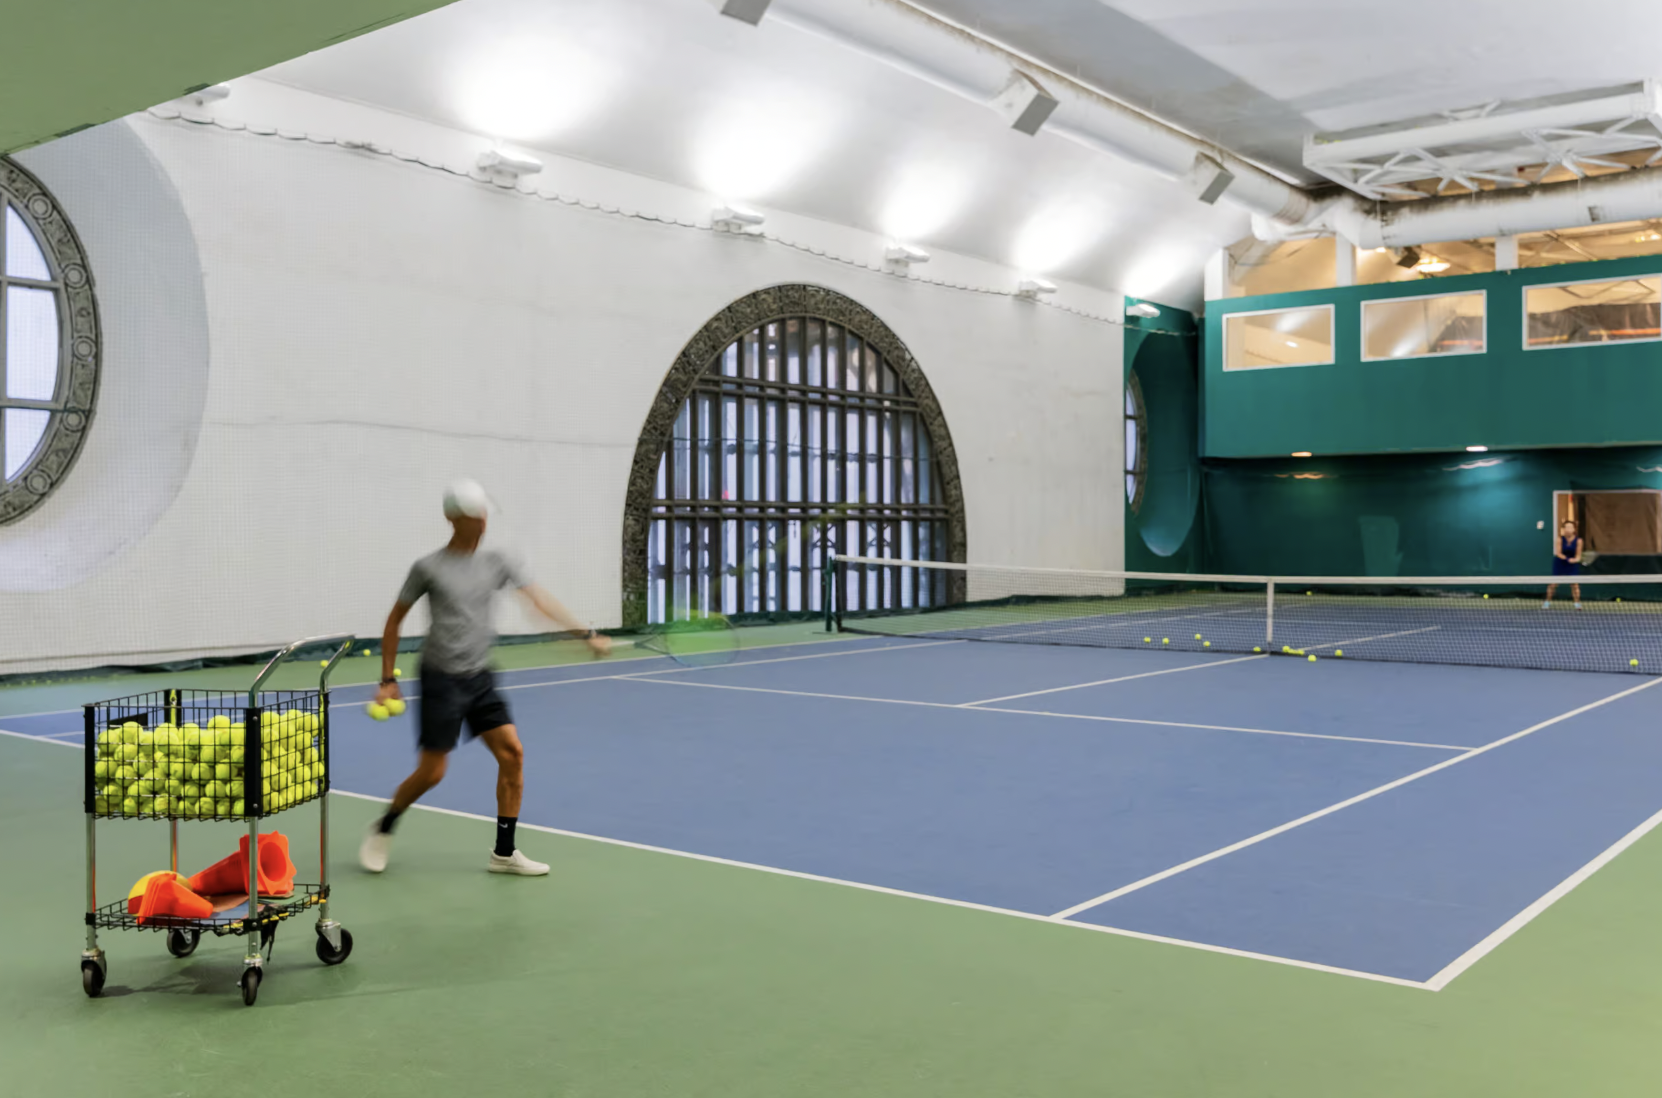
1301 453
1143 309
1477 449
737 219
1031 288
745 11
1408 257
1432 265
508 165
904 255
1292 343
1024 103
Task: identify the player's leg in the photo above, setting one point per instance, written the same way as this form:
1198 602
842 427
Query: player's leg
1575 593
494 725
1551 587
440 711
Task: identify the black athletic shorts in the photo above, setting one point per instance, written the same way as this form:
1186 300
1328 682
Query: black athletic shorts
449 700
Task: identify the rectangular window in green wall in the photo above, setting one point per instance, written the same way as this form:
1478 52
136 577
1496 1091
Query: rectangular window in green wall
1567 314
1428 325
1279 337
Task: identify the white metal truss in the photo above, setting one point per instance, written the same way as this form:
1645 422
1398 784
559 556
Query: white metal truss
1501 144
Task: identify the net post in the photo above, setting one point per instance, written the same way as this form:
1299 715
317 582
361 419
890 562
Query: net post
826 586
1269 613
835 601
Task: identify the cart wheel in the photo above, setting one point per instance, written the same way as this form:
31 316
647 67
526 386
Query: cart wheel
331 956
250 986
92 979
181 945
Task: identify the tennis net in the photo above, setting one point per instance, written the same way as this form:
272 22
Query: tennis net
1492 621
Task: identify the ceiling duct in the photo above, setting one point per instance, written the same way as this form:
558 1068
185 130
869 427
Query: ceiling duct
956 59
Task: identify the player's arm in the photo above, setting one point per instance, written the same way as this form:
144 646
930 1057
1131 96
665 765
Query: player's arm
555 611
389 652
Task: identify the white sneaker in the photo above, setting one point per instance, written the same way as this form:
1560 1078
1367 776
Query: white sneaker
516 863
372 853
1547 605
1578 606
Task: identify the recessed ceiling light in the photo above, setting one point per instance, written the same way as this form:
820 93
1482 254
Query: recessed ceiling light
1477 449
1301 453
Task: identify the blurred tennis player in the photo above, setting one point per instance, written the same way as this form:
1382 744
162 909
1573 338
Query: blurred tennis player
458 688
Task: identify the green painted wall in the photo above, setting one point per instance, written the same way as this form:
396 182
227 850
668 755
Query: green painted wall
1505 398
1164 533
1407 514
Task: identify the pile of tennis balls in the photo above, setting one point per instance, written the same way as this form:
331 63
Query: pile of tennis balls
378 711
197 771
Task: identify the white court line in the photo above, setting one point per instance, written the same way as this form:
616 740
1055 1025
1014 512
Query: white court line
1523 918
602 678
886 891
39 739
1380 637
966 708
1122 678
1254 840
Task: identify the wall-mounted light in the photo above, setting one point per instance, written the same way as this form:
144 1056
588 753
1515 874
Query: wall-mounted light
1432 265
745 11
1024 103
1031 288
1292 342
208 93
1477 449
737 219
1301 453
509 165
904 255
1143 309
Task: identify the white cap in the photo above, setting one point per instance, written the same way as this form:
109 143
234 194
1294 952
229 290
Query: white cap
465 498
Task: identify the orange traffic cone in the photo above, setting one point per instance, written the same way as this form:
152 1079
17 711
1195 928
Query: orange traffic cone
167 896
231 874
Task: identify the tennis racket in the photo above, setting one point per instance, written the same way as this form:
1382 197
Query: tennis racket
704 641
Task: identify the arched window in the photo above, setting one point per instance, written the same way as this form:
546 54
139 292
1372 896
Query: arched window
1136 443
804 429
48 343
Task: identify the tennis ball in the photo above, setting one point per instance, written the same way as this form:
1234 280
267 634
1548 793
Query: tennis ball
127 774
129 751
1197 636
1633 663
267 718
395 706
1148 640
130 732
1206 644
238 754
365 652
323 663
221 721
208 753
112 790
1255 648
1284 648
1165 640
222 807
161 805
100 804
222 736
175 789
192 791
186 807
239 736
101 769
1485 595
205 806
236 789
1312 658
377 711
236 808
222 771
1307 592
129 806
145 787
1338 651
191 735
397 672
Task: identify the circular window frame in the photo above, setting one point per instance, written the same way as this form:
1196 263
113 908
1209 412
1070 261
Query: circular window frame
80 345
1137 469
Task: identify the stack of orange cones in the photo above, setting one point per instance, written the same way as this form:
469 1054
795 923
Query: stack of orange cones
230 874
166 895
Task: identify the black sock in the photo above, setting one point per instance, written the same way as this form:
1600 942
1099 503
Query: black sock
505 835
390 820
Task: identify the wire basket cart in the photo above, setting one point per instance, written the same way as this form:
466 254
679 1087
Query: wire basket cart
214 755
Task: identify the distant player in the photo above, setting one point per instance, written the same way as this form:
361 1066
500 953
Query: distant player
1566 561
457 685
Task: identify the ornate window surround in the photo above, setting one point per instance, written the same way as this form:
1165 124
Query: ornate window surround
743 316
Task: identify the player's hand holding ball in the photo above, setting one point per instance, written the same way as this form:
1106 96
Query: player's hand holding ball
388 702
600 645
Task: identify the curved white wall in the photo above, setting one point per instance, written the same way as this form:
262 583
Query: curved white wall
379 328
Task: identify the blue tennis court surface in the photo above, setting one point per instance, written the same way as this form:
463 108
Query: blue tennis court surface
1189 796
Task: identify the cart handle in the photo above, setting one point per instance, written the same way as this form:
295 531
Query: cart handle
346 639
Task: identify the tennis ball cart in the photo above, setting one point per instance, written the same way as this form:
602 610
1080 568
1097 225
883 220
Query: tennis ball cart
215 756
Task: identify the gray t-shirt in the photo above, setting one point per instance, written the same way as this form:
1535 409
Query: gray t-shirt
459 589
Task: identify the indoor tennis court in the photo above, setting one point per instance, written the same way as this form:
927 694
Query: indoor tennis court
894 548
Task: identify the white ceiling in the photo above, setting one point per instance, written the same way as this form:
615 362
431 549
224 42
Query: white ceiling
781 118
1256 75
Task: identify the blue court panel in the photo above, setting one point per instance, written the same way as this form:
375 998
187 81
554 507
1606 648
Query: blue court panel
1036 804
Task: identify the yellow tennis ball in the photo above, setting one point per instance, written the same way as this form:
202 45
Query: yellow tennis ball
1633 663
1197 636
1255 648
397 672
1485 595
1148 640
395 706
1312 658
1165 640
1206 644
1338 651
377 712
366 651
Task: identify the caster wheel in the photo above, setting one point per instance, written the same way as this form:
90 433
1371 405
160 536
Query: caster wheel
331 956
92 979
250 986
182 943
